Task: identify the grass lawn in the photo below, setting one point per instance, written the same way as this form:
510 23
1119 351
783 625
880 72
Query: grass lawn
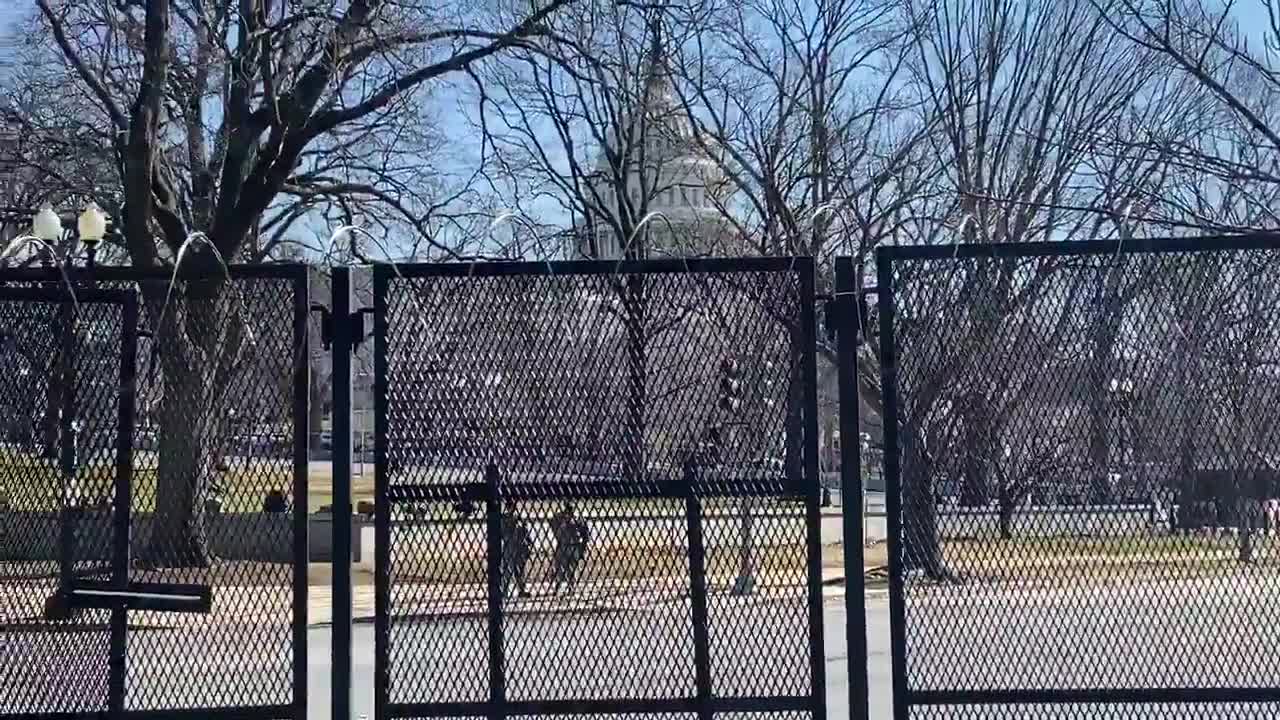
1065 559
1064 548
32 484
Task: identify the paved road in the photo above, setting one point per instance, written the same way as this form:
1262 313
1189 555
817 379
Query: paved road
653 671
1191 631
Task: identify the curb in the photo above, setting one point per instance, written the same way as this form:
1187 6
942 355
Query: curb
833 589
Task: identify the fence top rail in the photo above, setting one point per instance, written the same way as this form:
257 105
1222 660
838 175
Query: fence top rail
595 267
1196 244
118 273
60 294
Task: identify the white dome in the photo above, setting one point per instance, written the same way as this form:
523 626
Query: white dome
680 178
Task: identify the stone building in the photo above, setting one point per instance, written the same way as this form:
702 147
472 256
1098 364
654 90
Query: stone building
669 175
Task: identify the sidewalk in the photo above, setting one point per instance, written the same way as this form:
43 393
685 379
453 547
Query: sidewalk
600 597
425 601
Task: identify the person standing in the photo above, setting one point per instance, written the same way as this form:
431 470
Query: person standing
517 546
571 535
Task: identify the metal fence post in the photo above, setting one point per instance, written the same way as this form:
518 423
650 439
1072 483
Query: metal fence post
381 503
67 460
698 589
805 269
123 502
341 444
852 496
893 487
301 482
494 569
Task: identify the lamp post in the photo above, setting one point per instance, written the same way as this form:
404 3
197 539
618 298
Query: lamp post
91 227
730 405
362 415
48 228
1121 402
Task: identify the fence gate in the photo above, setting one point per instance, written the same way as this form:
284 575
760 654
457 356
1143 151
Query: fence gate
1081 466
67 389
99 615
597 490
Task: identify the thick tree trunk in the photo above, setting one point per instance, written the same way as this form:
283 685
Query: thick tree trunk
198 346
316 412
1008 507
49 425
986 309
974 488
1006 522
1106 330
187 445
50 432
1100 492
922 542
793 428
1189 417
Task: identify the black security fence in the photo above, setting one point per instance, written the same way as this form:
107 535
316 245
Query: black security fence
1080 452
153 492
597 485
596 489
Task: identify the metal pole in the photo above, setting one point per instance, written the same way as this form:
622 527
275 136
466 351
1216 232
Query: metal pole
698 591
341 459
382 500
852 495
493 572
811 482
67 459
893 490
745 583
301 476
117 672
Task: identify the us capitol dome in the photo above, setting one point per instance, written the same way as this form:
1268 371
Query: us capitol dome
667 172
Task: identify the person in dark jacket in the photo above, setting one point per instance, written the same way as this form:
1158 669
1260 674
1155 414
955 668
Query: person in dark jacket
517 546
572 536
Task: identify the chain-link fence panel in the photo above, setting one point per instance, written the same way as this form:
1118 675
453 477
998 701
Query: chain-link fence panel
597 484
220 498
1080 451
60 381
213 577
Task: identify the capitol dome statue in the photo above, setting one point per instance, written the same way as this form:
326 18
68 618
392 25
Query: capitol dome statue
670 176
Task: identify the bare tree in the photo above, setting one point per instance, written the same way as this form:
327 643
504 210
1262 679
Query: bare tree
212 111
802 108
1033 103
1237 149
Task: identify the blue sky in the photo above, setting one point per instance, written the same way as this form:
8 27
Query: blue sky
1251 14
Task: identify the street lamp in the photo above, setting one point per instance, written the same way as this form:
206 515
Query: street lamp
91 228
730 403
1121 397
47 226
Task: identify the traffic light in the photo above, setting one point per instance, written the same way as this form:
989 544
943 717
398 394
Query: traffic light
730 385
